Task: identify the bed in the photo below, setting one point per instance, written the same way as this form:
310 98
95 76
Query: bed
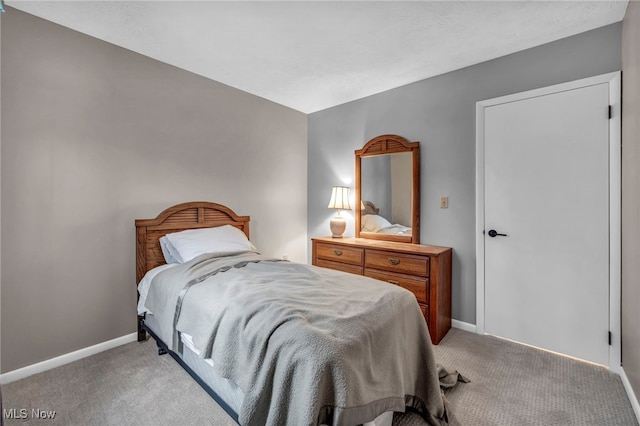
276 342
372 222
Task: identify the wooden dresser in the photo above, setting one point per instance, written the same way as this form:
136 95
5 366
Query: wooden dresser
424 270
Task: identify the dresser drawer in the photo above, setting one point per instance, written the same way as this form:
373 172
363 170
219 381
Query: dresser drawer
344 267
342 254
416 285
397 262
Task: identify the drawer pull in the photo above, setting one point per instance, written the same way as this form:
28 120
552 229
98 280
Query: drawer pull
394 282
338 252
394 261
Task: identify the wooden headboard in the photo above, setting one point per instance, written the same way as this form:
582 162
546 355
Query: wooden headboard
193 215
369 208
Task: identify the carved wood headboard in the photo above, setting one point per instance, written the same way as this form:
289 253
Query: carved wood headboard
192 215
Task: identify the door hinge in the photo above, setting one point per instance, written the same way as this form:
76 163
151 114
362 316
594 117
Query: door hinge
610 337
610 112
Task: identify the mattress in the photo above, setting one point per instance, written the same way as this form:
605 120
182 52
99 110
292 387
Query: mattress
225 390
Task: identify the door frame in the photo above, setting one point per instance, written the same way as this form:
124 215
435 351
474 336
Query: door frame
615 194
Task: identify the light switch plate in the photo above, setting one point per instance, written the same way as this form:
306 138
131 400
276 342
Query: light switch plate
444 202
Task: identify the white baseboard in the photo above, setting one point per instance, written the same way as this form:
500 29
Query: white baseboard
40 367
630 393
463 326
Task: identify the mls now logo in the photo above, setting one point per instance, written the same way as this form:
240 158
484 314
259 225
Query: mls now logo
23 413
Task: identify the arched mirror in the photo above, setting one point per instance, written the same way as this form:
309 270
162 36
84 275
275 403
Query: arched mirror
388 190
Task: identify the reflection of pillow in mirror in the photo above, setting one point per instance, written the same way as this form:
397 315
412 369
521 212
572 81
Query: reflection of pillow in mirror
373 222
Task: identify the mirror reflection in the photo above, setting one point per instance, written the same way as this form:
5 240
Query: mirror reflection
386 194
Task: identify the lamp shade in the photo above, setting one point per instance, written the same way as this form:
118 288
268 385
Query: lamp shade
340 198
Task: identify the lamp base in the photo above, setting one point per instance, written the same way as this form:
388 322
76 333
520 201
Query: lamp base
337 226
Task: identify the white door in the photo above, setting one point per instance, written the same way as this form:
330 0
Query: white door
546 186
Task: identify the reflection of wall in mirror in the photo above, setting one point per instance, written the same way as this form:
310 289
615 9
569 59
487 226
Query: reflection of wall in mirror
375 175
386 182
401 173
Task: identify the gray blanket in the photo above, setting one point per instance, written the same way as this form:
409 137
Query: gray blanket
306 345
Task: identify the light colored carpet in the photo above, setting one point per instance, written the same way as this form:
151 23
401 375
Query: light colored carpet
128 385
510 385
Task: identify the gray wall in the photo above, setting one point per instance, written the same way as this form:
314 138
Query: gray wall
440 113
95 136
631 195
375 175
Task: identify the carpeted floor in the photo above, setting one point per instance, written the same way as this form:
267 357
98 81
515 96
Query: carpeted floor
510 385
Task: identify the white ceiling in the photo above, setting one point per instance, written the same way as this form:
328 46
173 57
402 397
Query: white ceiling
314 55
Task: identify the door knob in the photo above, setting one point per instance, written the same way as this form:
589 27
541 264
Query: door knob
493 233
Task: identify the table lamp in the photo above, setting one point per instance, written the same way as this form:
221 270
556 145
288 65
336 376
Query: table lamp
339 201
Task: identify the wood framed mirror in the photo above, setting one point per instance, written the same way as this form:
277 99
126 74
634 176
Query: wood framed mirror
388 190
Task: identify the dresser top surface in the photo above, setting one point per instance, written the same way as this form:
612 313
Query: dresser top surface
385 245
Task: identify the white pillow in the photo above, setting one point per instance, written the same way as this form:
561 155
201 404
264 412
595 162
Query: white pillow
373 222
189 244
167 250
